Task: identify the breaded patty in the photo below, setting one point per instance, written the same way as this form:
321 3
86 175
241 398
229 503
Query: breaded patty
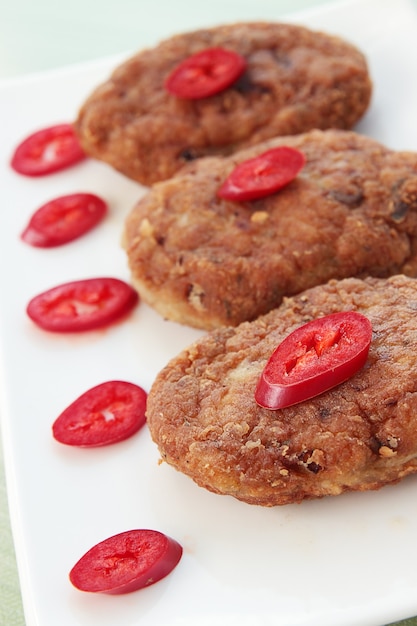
296 80
358 436
207 262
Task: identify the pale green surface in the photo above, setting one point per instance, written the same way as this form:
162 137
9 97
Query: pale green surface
46 34
43 34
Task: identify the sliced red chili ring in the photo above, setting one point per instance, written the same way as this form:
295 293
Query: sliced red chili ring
126 562
315 358
205 73
103 415
47 150
64 219
263 175
82 305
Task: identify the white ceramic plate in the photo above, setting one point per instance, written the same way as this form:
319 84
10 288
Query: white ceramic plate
335 562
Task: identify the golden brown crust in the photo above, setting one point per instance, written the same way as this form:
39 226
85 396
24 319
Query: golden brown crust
297 79
206 262
359 436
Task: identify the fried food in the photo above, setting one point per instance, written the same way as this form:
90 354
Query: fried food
207 262
361 435
296 80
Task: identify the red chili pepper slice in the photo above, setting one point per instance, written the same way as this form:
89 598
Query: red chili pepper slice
47 150
105 414
262 175
64 219
314 358
126 562
82 305
205 73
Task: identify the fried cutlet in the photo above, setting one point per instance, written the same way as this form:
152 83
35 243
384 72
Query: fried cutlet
358 436
296 79
206 262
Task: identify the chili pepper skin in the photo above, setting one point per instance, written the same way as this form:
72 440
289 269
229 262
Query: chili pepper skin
82 305
205 73
263 175
47 150
103 415
64 219
314 358
126 562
